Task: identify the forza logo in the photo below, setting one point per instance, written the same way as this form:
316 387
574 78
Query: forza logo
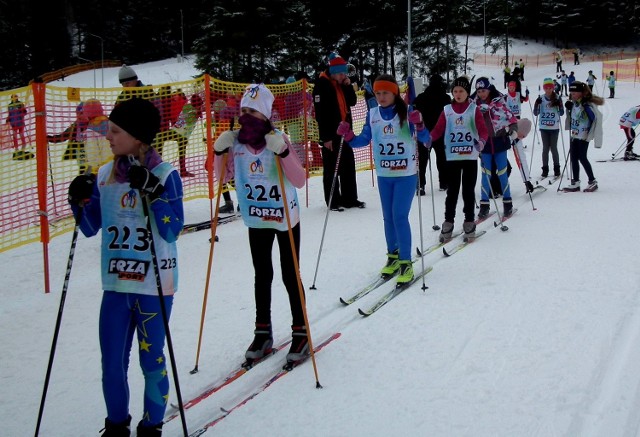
394 164
462 150
267 214
129 269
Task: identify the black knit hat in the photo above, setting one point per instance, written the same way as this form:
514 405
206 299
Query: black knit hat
462 81
577 86
139 117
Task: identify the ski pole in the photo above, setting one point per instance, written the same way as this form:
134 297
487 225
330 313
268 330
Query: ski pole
435 227
417 146
516 154
163 309
326 217
56 331
566 161
294 255
214 226
535 124
503 227
625 143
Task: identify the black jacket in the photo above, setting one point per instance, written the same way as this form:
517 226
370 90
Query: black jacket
326 106
431 102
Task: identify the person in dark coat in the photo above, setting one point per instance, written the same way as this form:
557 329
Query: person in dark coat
333 97
430 103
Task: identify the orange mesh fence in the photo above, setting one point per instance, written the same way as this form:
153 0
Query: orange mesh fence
625 70
497 60
51 134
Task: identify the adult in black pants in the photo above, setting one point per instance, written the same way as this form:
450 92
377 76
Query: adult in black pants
430 103
333 96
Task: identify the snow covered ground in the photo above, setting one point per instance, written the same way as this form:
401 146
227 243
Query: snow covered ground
530 332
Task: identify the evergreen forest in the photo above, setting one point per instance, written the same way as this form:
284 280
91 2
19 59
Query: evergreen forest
266 40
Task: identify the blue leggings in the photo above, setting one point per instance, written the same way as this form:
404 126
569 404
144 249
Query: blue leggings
122 314
501 170
396 195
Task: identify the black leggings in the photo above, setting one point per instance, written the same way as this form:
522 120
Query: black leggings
261 244
578 150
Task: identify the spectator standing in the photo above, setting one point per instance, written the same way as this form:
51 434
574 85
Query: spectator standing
506 73
333 97
17 113
74 136
558 62
133 87
182 129
96 146
591 80
611 82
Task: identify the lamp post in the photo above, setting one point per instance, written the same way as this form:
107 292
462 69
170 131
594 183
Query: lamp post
484 24
409 66
93 65
182 32
101 54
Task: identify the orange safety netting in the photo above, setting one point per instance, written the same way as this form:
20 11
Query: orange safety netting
42 149
624 69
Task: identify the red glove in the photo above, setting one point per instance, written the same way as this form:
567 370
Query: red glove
344 130
415 117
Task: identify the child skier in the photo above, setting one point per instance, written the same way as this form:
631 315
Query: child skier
611 81
391 126
514 97
628 123
583 125
114 202
502 126
252 162
465 134
548 108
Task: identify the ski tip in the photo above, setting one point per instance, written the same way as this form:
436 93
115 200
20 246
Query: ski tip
444 251
344 302
363 313
418 252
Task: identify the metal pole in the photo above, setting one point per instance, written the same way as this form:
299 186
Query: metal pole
182 32
409 38
93 66
484 24
101 54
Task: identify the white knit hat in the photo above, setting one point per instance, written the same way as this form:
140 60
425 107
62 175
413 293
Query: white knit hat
126 74
258 97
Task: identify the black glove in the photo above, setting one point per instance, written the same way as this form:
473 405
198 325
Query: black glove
568 105
140 178
529 186
539 101
81 189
